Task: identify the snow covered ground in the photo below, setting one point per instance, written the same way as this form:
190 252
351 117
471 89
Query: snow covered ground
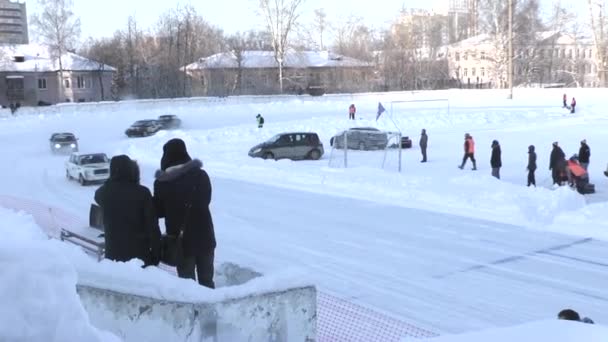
449 250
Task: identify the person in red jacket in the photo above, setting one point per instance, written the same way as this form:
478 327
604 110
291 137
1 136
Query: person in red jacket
572 105
469 151
352 110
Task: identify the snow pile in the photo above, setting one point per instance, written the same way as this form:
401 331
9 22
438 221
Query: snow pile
554 331
38 287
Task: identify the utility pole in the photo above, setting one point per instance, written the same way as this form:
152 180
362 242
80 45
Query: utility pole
510 76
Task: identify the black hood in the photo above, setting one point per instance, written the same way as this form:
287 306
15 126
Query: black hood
530 148
123 169
177 171
174 153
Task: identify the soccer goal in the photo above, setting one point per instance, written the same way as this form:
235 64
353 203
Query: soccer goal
401 111
366 147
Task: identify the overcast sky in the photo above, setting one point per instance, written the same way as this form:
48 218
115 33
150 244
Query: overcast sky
102 18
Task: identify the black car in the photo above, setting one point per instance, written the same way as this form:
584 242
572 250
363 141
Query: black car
169 121
143 128
63 143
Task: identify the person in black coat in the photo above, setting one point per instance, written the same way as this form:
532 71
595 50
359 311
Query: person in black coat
182 192
531 166
557 164
584 154
130 222
495 159
424 140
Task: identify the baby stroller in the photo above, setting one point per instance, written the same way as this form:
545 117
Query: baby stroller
578 177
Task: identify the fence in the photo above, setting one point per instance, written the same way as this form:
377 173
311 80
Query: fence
338 320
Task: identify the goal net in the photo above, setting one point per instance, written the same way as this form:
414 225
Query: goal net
366 147
402 113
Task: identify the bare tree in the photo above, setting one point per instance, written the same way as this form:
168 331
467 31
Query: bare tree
320 25
280 16
58 28
598 26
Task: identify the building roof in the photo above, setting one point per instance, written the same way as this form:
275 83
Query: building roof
265 59
36 58
560 39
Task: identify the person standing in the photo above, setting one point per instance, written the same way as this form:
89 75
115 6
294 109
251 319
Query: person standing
260 119
130 223
182 192
584 154
469 151
352 110
572 105
424 139
531 166
565 101
557 163
495 159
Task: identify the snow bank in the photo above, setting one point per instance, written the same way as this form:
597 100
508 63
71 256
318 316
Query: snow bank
37 287
554 331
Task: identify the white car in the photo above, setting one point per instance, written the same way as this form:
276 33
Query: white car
88 168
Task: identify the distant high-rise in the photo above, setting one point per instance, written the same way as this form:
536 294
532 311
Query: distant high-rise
463 19
13 23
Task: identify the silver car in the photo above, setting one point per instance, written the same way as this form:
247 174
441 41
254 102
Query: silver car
63 143
294 146
361 138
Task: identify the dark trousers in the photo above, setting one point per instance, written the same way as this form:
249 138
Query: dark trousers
423 151
351 116
556 174
565 104
572 110
469 156
496 172
200 267
531 178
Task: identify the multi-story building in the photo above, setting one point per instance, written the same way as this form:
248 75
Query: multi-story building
13 23
554 59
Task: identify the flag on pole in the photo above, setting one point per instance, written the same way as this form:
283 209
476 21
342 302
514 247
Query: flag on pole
380 111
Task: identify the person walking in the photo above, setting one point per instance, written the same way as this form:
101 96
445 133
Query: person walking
424 139
572 105
584 154
565 101
352 110
557 163
182 192
495 159
260 119
531 166
130 223
469 151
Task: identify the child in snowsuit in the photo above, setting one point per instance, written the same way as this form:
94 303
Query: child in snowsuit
260 119
572 105
469 151
531 165
352 110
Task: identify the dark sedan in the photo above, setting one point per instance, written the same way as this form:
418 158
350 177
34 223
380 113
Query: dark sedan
143 128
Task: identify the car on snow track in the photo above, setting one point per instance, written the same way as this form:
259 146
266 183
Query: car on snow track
63 143
294 146
143 128
88 168
361 138
169 121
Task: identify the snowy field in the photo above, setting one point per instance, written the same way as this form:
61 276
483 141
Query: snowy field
446 249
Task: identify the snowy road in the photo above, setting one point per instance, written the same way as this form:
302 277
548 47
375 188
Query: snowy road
443 272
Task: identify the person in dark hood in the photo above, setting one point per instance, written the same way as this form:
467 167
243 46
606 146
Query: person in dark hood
571 315
531 166
130 222
424 140
557 164
182 193
495 159
584 154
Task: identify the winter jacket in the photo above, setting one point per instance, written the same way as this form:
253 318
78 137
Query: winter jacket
352 109
131 225
469 145
424 139
175 189
495 159
531 160
573 103
584 153
557 158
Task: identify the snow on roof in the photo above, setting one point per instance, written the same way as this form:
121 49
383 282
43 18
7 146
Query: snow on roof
37 59
265 59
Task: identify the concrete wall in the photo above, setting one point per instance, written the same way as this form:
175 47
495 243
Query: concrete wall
289 315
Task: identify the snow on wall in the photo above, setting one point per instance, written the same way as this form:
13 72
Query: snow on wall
279 316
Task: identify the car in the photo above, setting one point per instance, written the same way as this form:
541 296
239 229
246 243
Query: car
88 168
406 142
63 143
294 146
143 128
169 121
361 138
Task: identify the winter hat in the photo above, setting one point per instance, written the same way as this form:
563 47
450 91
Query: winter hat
530 148
174 153
494 142
569 315
122 169
584 141
555 143
257 116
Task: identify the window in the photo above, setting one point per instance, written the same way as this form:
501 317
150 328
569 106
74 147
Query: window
569 53
483 55
473 70
457 56
578 53
82 82
541 53
42 83
483 72
466 72
466 55
66 82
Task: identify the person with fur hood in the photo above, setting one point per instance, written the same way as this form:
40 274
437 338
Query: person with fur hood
182 193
